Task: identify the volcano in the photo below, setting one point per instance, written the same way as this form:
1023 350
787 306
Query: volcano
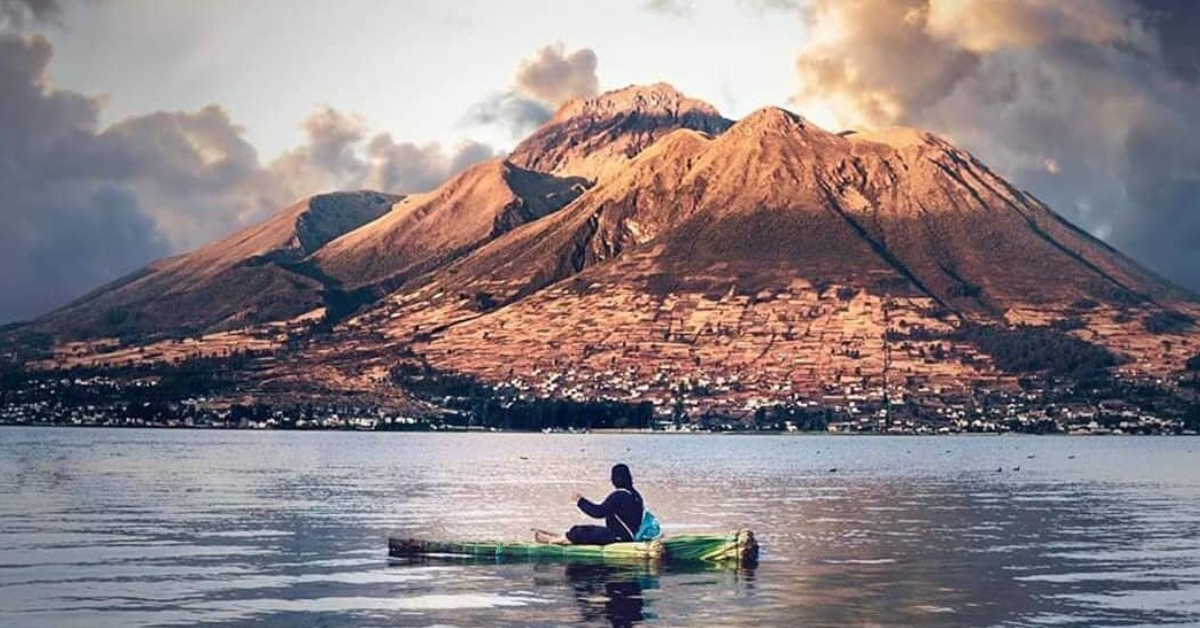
639 244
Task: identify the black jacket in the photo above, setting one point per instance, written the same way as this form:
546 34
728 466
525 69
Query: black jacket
625 504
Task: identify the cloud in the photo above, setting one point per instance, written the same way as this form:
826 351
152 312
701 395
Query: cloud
509 110
327 157
763 6
83 204
332 136
1088 104
407 167
676 8
1176 24
553 75
61 242
16 14
984 27
192 173
62 234
339 153
541 83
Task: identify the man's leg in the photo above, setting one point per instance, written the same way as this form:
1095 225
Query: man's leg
549 538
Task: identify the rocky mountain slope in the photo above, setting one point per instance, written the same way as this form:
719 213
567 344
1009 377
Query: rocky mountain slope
775 198
344 250
595 137
639 245
425 231
248 278
785 258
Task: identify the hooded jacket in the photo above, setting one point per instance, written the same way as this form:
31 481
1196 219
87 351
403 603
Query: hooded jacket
622 509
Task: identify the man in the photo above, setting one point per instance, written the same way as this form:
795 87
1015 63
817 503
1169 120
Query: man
621 511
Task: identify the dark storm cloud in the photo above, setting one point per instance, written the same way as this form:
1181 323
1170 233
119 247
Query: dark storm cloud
84 205
1177 23
1091 105
63 234
1163 179
63 241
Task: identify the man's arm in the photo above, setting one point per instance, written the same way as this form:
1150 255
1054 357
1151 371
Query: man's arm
597 511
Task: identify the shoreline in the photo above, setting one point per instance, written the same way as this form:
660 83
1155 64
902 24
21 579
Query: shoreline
599 432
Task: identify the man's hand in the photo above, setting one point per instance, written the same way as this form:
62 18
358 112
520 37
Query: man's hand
575 497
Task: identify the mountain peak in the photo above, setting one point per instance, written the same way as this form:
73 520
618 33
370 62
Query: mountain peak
425 230
897 137
294 232
641 234
655 99
772 119
596 137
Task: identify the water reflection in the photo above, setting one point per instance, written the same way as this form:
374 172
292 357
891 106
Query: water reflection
972 552
131 528
612 594
925 551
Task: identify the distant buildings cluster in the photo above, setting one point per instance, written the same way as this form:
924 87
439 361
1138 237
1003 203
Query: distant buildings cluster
1124 407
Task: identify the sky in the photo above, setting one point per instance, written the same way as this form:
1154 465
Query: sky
409 68
136 129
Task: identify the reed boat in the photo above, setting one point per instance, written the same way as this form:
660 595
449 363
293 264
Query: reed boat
737 548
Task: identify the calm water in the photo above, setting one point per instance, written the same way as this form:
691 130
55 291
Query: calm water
126 528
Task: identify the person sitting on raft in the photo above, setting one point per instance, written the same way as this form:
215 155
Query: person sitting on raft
621 511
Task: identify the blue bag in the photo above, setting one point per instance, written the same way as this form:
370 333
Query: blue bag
649 530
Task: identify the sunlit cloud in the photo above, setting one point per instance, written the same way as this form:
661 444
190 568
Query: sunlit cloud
1108 88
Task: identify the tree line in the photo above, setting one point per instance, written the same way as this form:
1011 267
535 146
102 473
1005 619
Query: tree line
474 403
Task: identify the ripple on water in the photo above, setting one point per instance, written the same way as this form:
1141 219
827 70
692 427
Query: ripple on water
149 528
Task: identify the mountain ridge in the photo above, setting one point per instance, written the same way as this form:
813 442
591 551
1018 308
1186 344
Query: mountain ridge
641 237
424 230
593 137
248 272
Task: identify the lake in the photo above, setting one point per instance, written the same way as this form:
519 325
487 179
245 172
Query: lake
125 528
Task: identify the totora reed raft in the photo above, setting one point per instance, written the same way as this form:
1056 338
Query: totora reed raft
735 548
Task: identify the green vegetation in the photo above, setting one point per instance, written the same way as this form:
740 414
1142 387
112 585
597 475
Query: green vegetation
1191 420
19 343
1028 349
804 419
1070 323
538 414
1025 349
340 304
1192 366
485 302
1121 296
477 404
1168 322
964 290
161 385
